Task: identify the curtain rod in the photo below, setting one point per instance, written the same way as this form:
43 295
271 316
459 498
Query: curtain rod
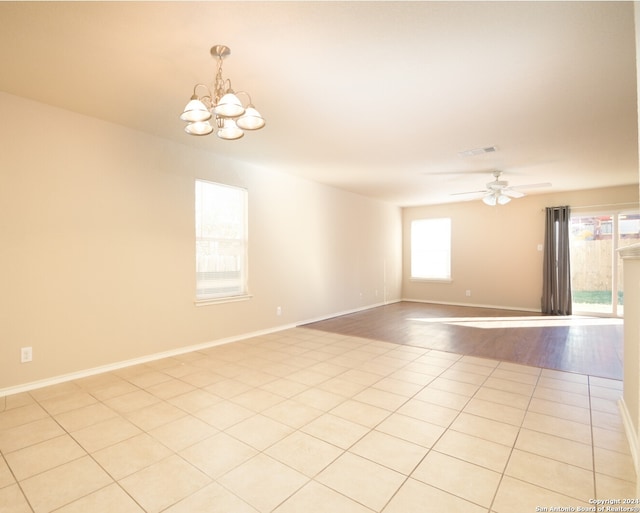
604 205
608 205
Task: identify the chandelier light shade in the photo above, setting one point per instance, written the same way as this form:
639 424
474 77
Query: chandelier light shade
195 111
229 130
199 128
229 106
250 120
218 108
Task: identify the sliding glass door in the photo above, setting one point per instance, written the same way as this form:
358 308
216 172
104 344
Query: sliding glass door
596 268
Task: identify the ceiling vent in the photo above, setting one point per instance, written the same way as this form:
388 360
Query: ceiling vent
477 151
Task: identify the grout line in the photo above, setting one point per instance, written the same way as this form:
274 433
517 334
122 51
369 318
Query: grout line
593 448
89 454
515 441
445 430
16 481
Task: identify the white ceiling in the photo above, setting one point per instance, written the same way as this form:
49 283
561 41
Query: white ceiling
378 98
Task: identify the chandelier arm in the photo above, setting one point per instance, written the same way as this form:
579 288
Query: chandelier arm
250 104
221 87
195 90
207 98
208 101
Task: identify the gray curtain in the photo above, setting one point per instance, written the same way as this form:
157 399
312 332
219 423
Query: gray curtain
556 288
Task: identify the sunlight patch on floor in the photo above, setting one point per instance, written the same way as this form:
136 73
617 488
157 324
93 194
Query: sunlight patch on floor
521 322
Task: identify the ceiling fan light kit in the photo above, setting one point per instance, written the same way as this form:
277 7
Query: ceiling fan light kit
219 107
495 198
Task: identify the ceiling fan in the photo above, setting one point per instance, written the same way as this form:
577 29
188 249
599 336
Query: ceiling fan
498 192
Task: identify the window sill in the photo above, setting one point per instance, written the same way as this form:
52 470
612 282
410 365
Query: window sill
432 280
220 300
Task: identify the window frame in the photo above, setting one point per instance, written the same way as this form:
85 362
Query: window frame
447 276
242 268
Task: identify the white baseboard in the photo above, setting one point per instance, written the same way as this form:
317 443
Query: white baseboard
55 380
134 361
347 312
632 435
474 305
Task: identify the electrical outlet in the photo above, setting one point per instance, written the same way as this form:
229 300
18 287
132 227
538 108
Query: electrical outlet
468 293
279 311
26 354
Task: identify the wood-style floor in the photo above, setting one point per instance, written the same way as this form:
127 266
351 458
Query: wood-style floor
582 345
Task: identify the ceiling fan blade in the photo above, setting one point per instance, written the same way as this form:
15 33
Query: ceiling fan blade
530 186
468 192
512 194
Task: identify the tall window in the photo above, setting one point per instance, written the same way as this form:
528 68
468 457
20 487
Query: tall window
431 249
221 241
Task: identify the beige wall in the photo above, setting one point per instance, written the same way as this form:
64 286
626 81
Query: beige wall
495 249
97 249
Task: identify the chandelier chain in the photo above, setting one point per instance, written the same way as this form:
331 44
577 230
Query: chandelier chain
219 82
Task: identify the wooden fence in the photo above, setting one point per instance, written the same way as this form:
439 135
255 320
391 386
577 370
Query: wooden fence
592 264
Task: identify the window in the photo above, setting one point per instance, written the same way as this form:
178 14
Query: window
221 241
431 249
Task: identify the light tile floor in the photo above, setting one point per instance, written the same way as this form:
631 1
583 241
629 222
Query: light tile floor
308 421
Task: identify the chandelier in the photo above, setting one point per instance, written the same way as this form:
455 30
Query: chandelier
219 107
